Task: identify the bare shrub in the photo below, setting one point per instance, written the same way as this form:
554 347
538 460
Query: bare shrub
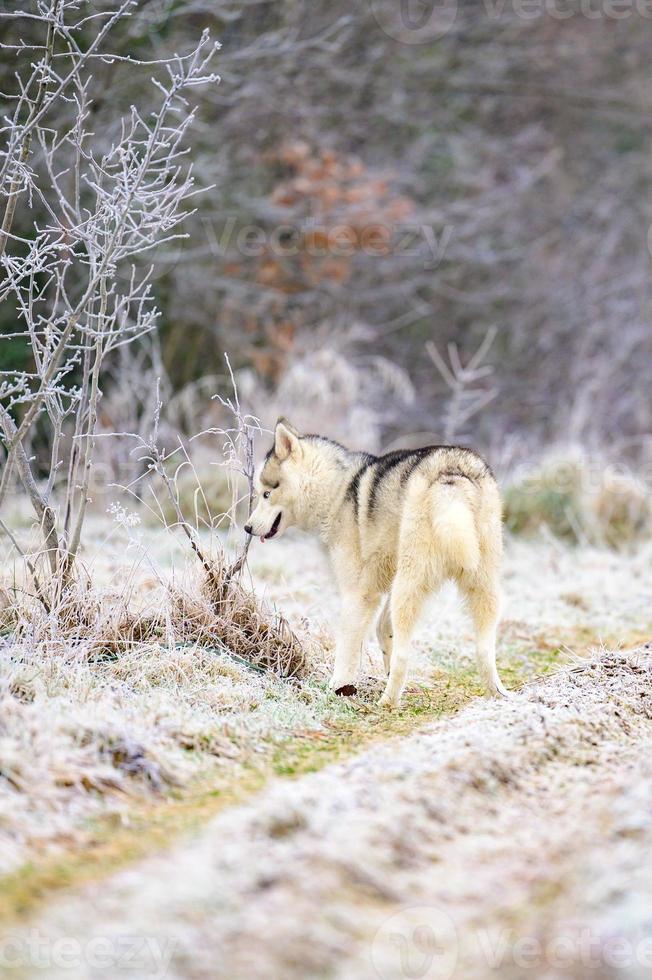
204 491
77 282
470 385
136 369
224 613
83 293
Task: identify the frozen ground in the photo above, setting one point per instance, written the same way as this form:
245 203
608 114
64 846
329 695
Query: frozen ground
497 818
508 841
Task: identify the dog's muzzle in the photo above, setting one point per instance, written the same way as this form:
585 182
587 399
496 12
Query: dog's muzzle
272 531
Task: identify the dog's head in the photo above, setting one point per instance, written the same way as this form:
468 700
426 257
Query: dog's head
278 485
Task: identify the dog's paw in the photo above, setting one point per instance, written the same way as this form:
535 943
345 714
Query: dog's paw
346 691
343 684
388 702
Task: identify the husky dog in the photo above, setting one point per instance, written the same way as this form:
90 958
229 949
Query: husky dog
397 526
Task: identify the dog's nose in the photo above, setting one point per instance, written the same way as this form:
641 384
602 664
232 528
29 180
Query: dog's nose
247 528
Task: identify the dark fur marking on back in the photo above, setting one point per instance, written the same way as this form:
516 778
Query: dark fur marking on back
413 457
353 488
486 469
411 467
385 464
449 476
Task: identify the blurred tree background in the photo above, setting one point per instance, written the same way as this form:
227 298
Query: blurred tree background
371 187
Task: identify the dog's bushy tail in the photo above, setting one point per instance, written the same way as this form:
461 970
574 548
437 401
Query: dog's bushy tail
453 523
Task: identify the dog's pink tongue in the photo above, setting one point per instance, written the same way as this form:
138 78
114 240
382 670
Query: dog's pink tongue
262 538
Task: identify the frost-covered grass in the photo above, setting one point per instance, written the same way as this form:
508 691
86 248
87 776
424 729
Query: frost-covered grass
512 824
138 743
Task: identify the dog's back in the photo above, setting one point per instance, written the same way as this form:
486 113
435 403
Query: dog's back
443 497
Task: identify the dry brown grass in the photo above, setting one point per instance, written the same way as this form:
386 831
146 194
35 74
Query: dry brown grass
225 614
217 612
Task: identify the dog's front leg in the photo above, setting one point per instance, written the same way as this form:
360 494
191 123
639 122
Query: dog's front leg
357 612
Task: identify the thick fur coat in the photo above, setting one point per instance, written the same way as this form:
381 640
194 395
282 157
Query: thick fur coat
395 527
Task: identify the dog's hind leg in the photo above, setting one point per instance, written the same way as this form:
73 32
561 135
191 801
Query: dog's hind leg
406 601
484 605
416 576
384 633
357 612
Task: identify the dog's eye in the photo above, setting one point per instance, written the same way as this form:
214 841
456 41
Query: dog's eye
267 494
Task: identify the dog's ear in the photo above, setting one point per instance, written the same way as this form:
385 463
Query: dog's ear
286 439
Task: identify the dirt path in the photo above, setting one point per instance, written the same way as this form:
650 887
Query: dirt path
507 841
